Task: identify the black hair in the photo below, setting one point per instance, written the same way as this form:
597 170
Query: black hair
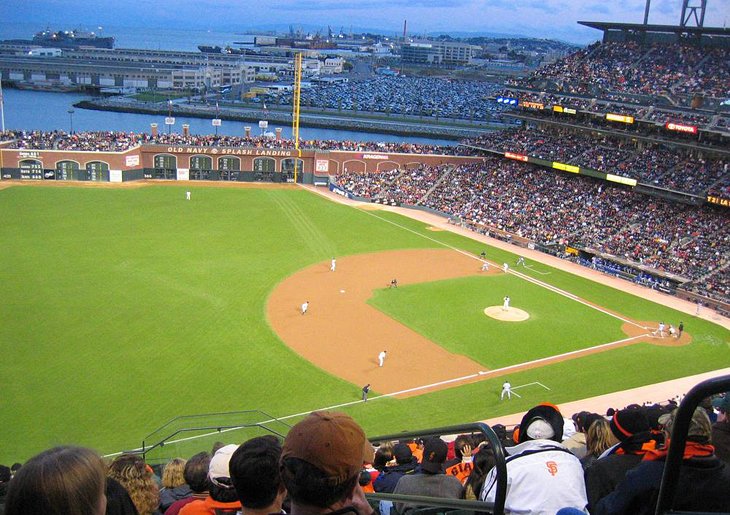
254 469
224 491
306 484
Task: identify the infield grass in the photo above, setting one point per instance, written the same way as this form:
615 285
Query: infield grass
123 308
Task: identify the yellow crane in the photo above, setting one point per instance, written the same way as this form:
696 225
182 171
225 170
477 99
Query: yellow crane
295 113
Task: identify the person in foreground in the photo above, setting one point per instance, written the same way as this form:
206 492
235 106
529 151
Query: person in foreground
430 480
222 496
543 476
254 471
59 481
321 462
704 480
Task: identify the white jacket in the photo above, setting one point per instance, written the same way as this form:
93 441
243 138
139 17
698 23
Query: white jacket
542 477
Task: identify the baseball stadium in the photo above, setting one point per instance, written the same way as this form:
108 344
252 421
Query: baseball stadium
152 284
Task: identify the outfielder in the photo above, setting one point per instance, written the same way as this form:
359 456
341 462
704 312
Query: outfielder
187 195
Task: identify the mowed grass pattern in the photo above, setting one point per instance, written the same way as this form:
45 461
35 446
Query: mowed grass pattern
123 308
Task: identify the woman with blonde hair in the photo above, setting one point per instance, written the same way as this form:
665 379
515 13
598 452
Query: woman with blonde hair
60 481
599 438
136 477
174 486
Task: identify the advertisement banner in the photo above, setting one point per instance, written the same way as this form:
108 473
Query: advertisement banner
322 165
339 191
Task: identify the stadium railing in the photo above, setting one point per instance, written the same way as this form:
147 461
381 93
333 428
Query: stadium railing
189 434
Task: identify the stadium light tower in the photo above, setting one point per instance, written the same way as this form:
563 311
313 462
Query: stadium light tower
693 11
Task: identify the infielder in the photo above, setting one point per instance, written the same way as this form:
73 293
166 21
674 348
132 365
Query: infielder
505 306
381 357
305 307
506 390
505 267
333 265
187 195
485 267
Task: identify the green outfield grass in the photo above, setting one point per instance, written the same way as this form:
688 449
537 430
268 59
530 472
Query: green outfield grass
123 308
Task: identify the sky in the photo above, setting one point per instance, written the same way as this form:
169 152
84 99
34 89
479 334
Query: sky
553 19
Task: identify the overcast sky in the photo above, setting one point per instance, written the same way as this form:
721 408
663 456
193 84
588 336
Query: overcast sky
538 18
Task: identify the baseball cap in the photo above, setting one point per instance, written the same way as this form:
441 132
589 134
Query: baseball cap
544 421
332 442
218 467
434 455
722 403
700 427
402 453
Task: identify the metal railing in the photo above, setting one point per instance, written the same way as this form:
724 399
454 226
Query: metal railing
670 478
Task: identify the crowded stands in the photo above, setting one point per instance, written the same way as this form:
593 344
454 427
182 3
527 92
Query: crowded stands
552 209
598 464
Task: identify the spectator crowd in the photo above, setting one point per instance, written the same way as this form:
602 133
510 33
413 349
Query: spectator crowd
554 209
584 463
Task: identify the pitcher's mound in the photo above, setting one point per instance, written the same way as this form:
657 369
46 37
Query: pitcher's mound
510 315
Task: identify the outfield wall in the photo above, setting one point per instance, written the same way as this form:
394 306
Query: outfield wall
214 163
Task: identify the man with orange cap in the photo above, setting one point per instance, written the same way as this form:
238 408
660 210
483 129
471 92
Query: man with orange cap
320 465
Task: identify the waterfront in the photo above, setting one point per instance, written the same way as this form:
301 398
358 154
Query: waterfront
34 110
136 37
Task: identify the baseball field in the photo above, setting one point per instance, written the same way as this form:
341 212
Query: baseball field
122 308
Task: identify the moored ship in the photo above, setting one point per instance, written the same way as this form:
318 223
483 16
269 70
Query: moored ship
65 39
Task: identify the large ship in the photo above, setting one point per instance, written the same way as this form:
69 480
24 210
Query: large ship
65 39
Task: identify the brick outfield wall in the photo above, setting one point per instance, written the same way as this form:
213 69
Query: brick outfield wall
313 161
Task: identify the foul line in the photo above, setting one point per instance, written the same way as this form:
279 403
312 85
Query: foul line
480 374
538 282
530 267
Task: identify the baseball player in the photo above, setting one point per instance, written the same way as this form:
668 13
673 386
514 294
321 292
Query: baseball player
520 261
660 330
365 391
506 390
680 329
485 267
305 307
381 357
505 267
672 331
333 265
187 195
505 305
